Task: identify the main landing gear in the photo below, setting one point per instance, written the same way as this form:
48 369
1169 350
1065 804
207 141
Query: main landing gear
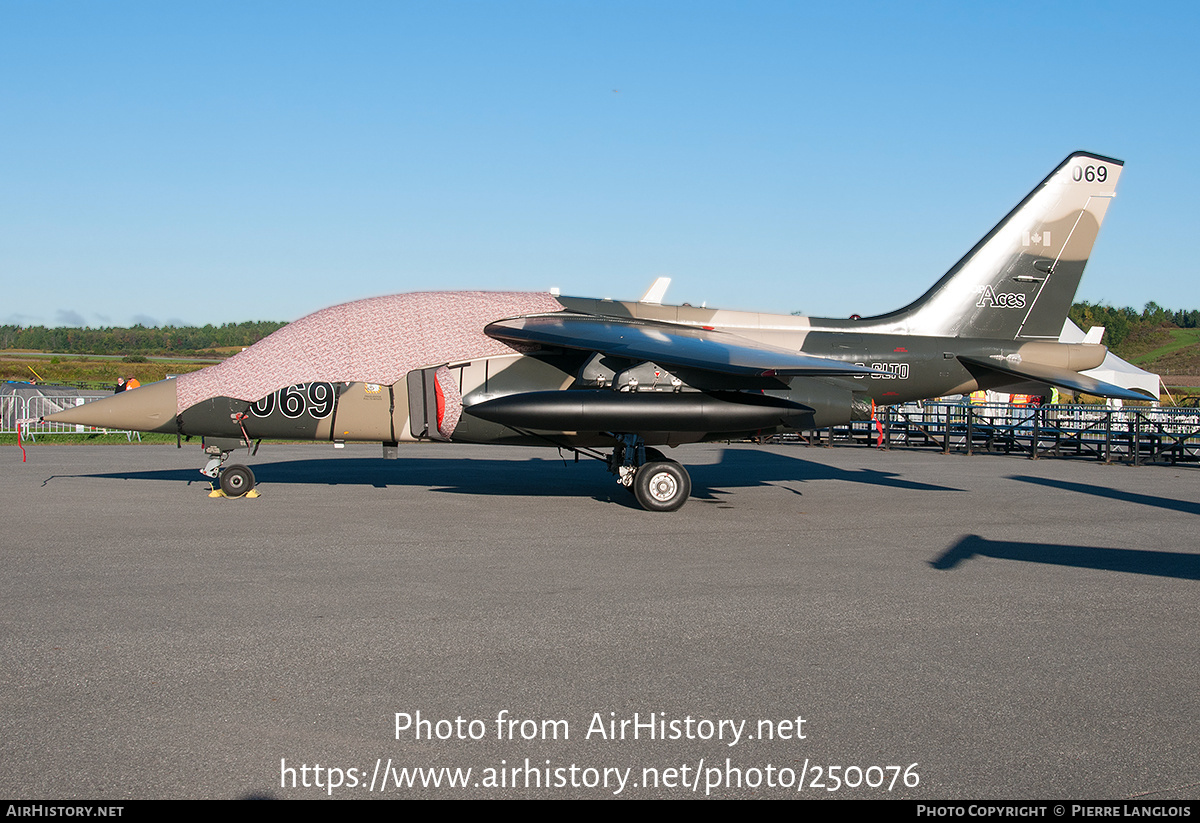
235 480
659 484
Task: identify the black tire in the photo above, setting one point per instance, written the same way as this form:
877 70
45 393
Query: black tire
662 486
237 480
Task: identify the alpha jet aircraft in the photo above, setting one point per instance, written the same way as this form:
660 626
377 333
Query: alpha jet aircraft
590 375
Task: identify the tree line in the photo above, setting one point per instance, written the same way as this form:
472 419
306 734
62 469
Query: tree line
1119 322
136 339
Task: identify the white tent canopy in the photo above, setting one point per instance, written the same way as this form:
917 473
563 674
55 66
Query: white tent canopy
1113 370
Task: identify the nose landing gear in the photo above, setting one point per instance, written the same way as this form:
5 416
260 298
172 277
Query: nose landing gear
235 480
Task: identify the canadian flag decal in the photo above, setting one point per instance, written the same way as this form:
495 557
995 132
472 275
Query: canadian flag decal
1035 239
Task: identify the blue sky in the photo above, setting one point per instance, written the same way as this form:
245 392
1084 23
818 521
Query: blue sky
215 162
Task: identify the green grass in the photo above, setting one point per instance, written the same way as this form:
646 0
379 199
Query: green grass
118 438
83 369
1180 339
93 438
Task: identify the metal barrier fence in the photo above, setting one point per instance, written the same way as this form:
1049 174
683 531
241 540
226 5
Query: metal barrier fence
1132 434
14 409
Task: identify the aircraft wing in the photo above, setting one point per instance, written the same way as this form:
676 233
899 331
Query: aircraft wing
1057 376
668 344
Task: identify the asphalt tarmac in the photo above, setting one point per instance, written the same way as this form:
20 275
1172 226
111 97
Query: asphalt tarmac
814 623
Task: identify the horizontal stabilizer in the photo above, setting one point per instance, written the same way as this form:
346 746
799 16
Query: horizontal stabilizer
1057 376
668 344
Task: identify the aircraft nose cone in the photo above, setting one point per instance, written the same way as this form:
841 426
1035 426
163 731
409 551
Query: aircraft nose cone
149 408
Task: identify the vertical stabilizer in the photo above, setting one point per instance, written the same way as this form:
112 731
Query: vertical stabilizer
1019 280
658 289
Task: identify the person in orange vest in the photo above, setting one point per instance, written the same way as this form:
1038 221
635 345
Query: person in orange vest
131 383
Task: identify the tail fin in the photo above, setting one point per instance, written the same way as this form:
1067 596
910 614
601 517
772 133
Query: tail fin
1018 282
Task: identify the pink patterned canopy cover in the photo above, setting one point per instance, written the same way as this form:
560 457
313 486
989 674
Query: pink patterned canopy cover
377 340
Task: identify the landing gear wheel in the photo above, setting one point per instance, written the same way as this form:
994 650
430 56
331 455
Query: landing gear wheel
662 486
236 480
652 456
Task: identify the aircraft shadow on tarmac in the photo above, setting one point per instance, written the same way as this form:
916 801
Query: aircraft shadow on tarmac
1162 564
737 468
1185 506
